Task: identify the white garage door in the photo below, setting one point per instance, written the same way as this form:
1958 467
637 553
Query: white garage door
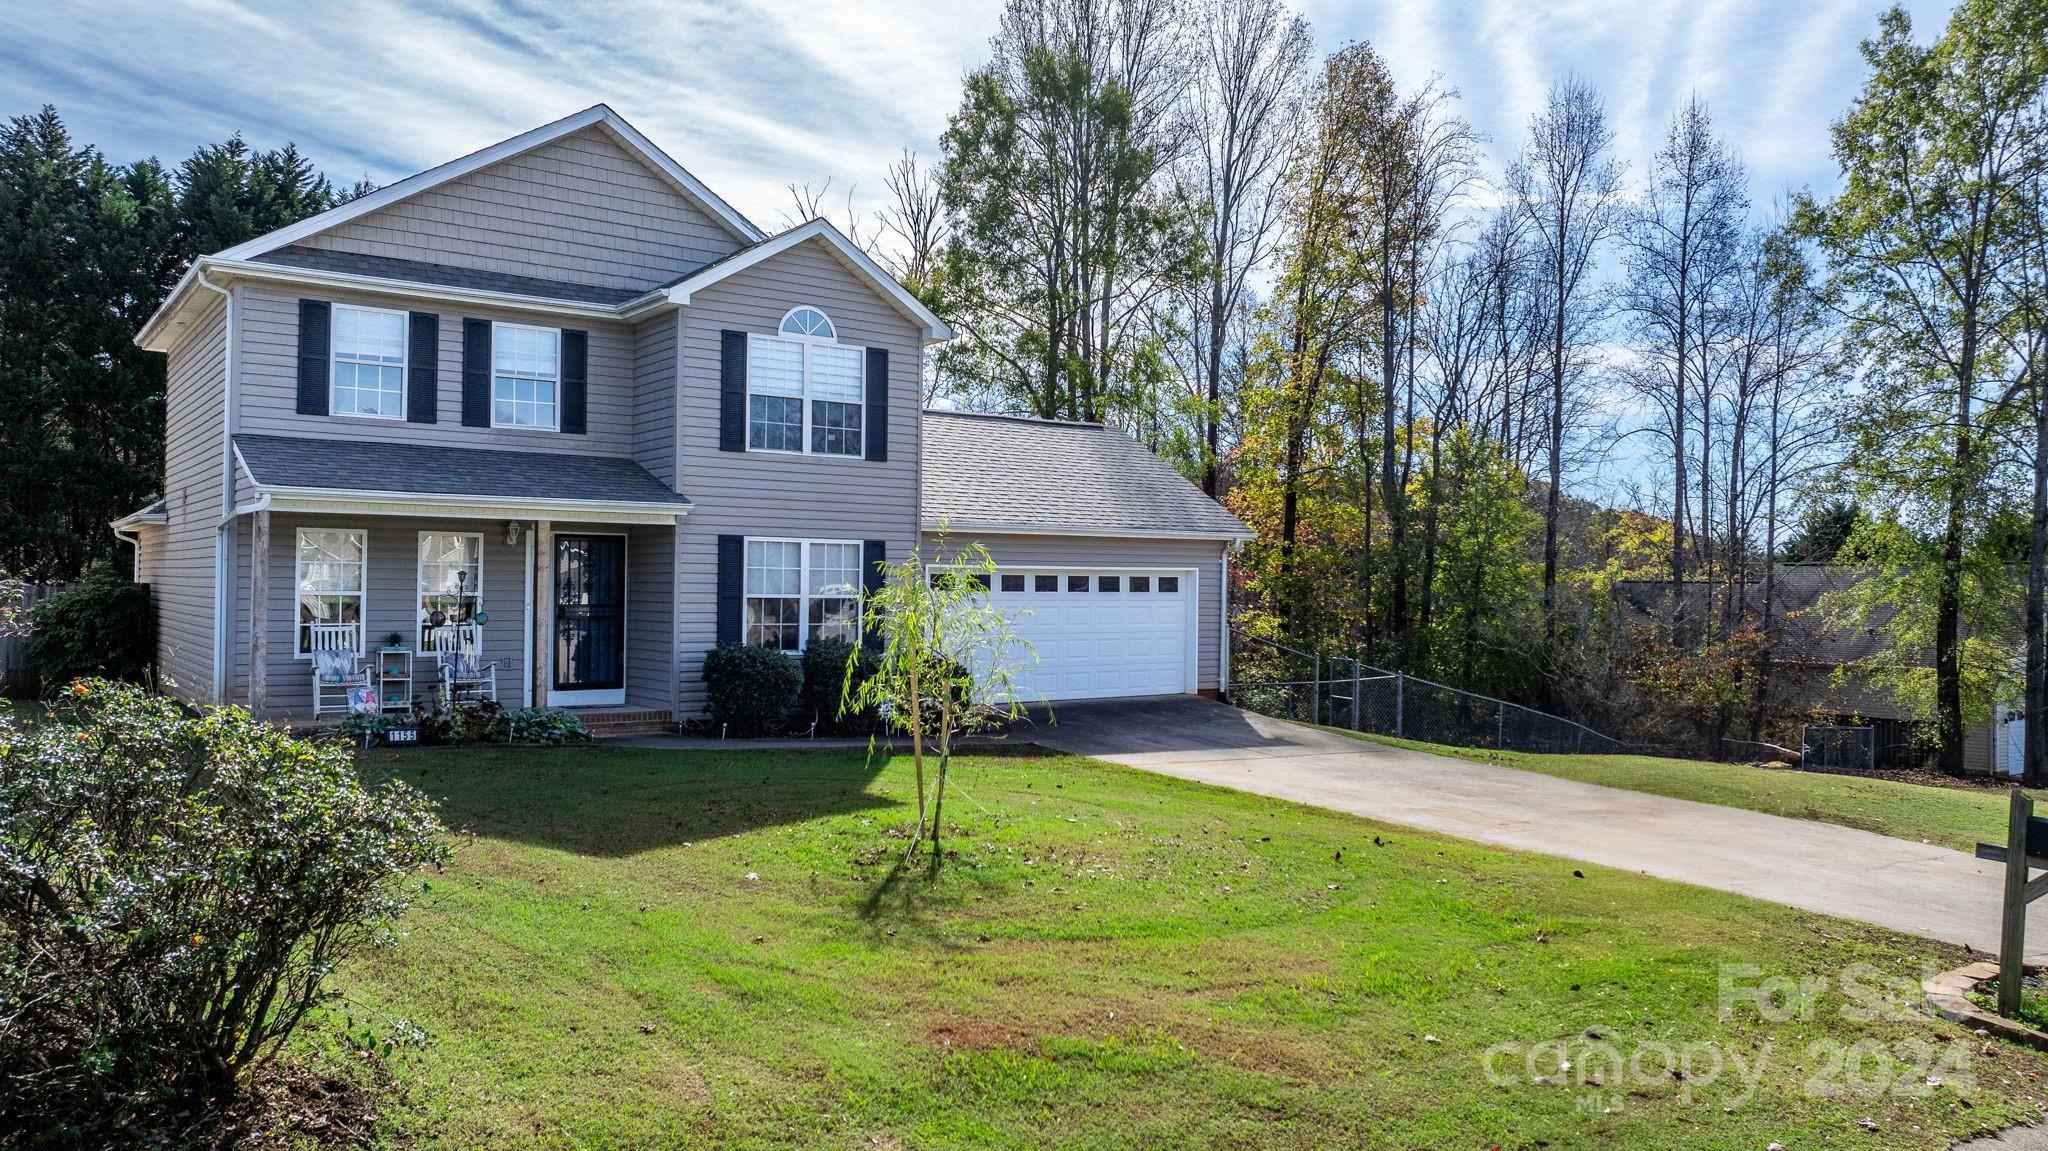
1101 633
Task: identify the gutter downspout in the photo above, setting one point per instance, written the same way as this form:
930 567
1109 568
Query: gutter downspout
223 550
1223 631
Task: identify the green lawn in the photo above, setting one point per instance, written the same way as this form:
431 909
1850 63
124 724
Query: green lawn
1949 817
641 948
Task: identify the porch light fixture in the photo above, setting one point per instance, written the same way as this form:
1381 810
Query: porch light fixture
511 533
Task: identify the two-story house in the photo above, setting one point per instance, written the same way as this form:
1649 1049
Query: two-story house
559 393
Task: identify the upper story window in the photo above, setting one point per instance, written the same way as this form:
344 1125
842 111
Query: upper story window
368 376
526 376
804 390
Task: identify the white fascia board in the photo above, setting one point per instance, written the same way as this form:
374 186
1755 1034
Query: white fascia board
278 498
152 337
935 329
503 150
969 527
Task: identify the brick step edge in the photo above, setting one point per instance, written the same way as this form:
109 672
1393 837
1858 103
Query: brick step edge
1949 995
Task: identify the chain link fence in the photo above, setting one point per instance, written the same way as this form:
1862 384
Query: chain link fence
1827 747
1339 691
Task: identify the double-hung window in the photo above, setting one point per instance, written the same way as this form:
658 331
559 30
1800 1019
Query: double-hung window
526 375
804 390
330 582
801 590
451 578
368 375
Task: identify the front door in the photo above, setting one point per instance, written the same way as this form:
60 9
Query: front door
590 620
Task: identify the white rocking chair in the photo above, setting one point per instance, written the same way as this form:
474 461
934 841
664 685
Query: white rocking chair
465 678
338 668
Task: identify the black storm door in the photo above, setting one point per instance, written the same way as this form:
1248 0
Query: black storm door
590 613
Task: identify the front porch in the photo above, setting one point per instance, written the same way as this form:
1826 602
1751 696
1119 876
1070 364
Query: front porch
575 614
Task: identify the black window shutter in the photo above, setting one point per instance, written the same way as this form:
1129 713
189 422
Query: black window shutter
423 368
873 555
315 338
476 373
875 428
575 381
732 571
732 391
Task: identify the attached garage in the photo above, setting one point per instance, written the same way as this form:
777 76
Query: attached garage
1109 561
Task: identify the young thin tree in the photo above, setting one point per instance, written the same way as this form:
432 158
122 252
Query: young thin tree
947 664
1568 190
1680 243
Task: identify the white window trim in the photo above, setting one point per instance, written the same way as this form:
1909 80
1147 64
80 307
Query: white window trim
404 363
299 580
803 596
500 325
807 342
419 573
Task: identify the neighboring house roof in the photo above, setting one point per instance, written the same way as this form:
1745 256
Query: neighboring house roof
153 512
596 114
1016 474
364 471
445 275
679 290
1805 632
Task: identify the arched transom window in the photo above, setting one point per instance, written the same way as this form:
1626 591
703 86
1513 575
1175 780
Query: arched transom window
807 322
805 390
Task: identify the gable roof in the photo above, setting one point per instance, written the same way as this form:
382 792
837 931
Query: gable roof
679 290
597 114
1021 475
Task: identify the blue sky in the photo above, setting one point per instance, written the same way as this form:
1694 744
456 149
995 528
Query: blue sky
753 96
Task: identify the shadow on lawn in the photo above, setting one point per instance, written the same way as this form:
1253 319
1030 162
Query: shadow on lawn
615 802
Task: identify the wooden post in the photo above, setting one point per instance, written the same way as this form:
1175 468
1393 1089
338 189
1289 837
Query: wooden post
259 612
2012 936
1400 691
543 609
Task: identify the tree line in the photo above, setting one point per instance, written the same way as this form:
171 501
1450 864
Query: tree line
88 251
1395 348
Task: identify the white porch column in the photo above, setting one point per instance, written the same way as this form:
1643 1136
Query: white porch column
259 611
543 609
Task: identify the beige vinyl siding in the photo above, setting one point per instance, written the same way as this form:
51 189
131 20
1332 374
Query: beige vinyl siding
269 380
1204 556
181 569
391 591
650 617
581 208
792 496
654 396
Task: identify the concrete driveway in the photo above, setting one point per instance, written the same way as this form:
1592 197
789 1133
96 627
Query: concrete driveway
1928 891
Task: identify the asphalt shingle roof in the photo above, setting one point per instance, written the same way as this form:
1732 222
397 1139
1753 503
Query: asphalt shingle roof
418 469
446 275
1014 471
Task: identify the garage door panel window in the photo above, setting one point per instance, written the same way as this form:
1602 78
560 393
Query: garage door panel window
1169 585
799 590
1141 583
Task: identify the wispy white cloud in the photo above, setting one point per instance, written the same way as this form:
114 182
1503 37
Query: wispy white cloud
754 95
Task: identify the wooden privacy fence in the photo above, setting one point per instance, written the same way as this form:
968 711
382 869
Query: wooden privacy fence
16 674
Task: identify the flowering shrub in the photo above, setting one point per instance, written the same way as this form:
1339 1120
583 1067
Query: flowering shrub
174 892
